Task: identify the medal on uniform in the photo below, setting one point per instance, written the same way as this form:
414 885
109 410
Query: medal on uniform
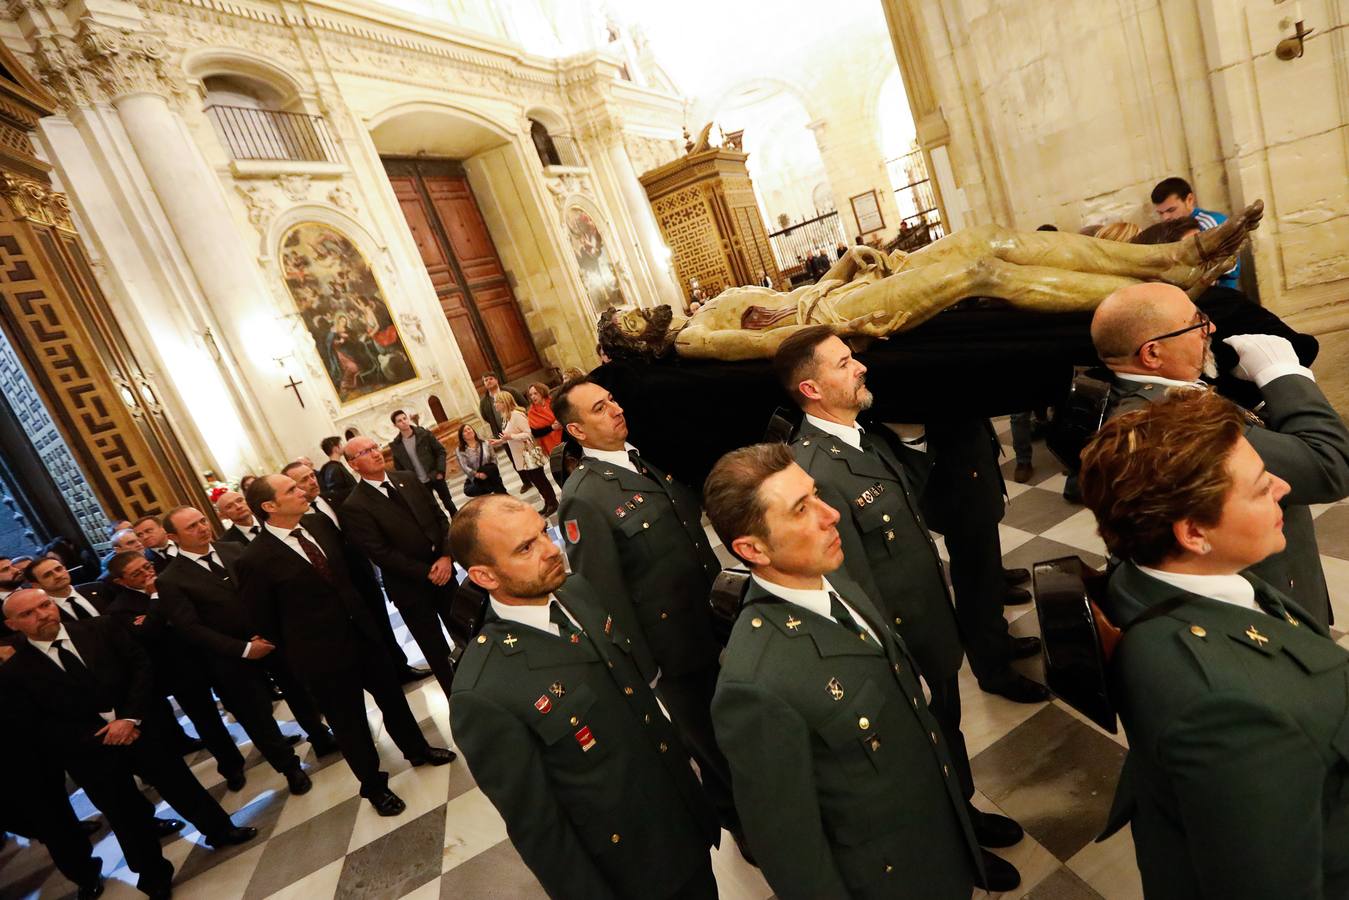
556 689
543 704
620 511
585 738
575 638
631 505
608 624
835 688
638 498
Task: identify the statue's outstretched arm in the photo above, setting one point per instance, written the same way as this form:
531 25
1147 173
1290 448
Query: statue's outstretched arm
697 341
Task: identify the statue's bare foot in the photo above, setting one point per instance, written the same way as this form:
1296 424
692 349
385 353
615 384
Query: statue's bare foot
1225 240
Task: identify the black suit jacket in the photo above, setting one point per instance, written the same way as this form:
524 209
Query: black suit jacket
204 609
235 535
429 450
321 626
99 594
402 540
335 481
61 707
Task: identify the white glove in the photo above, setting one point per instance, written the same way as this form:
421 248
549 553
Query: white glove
1264 357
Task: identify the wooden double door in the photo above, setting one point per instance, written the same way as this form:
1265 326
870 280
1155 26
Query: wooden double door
471 284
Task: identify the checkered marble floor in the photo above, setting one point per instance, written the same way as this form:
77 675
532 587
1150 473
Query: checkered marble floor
1042 764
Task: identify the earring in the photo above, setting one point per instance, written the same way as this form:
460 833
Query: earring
1206 548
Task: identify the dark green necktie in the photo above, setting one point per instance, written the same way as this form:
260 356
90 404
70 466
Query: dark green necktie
843 617
565 627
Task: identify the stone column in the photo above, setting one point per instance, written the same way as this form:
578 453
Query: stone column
654 252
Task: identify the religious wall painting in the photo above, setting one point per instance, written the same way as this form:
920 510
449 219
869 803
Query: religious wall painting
598 276
344 310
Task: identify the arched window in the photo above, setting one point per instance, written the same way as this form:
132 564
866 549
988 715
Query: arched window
249 117
543 143
437 409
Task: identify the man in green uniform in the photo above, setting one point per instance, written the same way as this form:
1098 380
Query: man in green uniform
636 534
887 549
1153 338
843 777
561 731
1232 695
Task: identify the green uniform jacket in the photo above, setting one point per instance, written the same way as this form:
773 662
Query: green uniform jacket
887 548
1237 778
625 817
1305 443
840 773
639 540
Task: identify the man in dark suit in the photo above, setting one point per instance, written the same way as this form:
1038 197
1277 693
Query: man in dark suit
491 386
416 450
300 594
86 691
363 575
76 603
562 732
158 548
176 669
636 534
392 518
842 775
200 592
335 480
243 527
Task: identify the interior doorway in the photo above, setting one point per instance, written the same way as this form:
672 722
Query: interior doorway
470 282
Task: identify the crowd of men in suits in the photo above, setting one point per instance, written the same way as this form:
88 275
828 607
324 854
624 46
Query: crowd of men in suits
826 733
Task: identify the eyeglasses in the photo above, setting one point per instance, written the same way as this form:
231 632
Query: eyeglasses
1204 322
367 451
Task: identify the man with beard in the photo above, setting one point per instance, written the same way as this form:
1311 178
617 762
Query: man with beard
561 731
1154 340
363 575
875 484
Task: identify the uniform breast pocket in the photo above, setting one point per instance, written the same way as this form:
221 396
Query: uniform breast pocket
878 523
564 727
635 530
854 731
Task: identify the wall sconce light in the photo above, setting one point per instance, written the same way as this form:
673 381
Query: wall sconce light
1293 47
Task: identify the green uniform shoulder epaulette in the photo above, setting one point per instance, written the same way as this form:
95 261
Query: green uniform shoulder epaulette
472 662
750 637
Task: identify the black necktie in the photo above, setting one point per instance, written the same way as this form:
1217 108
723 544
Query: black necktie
71 663
394 494
559 618
78 611
216 568
1274 606
843 617
637 461
315 555
255 530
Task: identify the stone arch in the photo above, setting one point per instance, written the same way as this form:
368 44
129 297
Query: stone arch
285 90
484 131
769 85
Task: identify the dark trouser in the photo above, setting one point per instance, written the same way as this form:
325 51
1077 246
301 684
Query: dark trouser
37 807
367 584
110 785
688 698
193 693
340 695
1022 426
423 609
979 587
701 886
945 708
441 488
540 481
298 697
243 689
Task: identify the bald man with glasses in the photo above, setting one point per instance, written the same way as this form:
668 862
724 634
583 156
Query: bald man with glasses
1154 340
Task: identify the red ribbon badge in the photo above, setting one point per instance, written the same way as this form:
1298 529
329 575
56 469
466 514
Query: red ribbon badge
543 704
585 738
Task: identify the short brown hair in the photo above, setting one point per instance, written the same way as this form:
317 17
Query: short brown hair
563 409
731 492
117 565
794 361
167 522
259 492
291 467
137 523
464 546
1150 468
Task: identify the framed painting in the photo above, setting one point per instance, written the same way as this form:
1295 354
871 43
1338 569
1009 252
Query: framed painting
597 269
866 208
344 310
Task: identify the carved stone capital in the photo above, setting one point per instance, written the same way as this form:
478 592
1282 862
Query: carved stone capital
101 63
33 200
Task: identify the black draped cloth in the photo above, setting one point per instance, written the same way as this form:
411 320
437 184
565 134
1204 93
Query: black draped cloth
976 359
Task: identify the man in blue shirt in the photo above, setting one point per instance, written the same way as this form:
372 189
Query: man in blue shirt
1173 198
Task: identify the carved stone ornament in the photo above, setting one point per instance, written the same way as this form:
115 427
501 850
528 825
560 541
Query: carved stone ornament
296 187
261 208
568 184
412 326
103 63
29 199
342 199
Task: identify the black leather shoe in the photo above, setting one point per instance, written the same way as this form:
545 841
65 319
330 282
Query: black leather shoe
436 756
1016 576
323 743
298 782
166 827
235 781
191 745
1015 596
90 827
993 830
413 673
292 739
386 802
999 875
277 694
1025 647
1015 687
240 835
156 891
91 889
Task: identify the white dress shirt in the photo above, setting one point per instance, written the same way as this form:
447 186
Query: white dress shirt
48 649
1164 382
535 616
816 601
323 507
848 434
614 457
284 535
249 531
72 600
1231 589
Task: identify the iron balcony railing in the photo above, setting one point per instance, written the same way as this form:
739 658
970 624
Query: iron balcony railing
804 239
270 134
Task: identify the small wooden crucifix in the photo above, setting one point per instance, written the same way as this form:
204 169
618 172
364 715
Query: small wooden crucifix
295 386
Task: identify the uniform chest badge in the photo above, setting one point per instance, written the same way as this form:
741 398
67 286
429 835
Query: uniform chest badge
543 704
669 478
608 624
631 505
1256 636
585 738
556 689
793 623
835 688
620 511
576 639
510 640
639 498
573 529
